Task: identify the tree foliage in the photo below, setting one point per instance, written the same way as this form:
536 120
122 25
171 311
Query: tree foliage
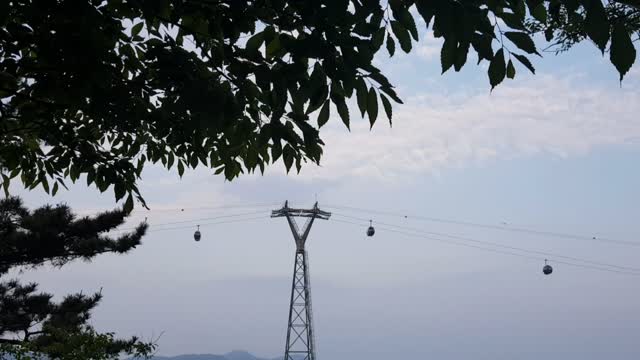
613 28
97 89
31 322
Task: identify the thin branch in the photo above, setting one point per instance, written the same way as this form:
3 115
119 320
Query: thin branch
10 341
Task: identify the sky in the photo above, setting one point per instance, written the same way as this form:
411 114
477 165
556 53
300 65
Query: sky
555 152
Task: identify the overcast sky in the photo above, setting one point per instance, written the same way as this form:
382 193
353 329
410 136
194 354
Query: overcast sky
557 152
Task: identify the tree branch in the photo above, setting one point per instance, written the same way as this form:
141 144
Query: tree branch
29 334
10 341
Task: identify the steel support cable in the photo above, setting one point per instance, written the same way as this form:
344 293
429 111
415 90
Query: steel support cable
489 226
571 258
212 218
223 207
145 213
493 250
209 223
200 219
152 229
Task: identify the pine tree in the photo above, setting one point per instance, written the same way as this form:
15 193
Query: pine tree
30 321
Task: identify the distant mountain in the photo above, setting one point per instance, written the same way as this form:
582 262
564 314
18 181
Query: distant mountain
234 355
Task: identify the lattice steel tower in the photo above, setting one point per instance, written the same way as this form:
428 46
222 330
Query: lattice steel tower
300 334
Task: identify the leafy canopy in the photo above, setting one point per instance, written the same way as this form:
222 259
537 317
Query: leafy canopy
99 89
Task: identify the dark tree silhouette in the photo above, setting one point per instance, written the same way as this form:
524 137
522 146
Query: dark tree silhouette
54 235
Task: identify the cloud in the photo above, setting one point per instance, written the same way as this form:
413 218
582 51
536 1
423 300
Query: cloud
558 116
429 47
434 131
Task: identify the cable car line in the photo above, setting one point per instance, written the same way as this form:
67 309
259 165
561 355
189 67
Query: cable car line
493 250
632 269
200 219
416 232
371 231
145 213
489 226
213 218
209 223
224 207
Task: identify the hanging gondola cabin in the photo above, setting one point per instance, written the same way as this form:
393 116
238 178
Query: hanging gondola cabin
547 269
197 235
371 230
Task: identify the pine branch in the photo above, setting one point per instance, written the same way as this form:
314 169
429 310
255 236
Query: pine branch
632 3
10 341
53 234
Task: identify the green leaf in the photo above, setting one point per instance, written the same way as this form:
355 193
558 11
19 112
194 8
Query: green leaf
391 45
135 30
254 42
5 184
193 161
55 189
511 70
74 172
91 176
512 21
378 38
461 56
497 69
180 168
45 183
171 159
402 35
140 166
387 107
343 111
596 24
323 116
447 54
549 33
276 150
392 94
128 205
63 184
119 190
381 79
288 156
372 106
522 40
409 23
524 61
426 8
520 9
623 53
482 45
273 47
539 12
361 94
229 172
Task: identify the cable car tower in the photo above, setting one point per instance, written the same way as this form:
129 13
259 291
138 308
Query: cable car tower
300 335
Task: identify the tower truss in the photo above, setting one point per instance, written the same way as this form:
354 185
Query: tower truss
300 343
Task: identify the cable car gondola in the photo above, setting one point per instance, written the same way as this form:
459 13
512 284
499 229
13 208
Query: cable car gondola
547 269
371 230
197 235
